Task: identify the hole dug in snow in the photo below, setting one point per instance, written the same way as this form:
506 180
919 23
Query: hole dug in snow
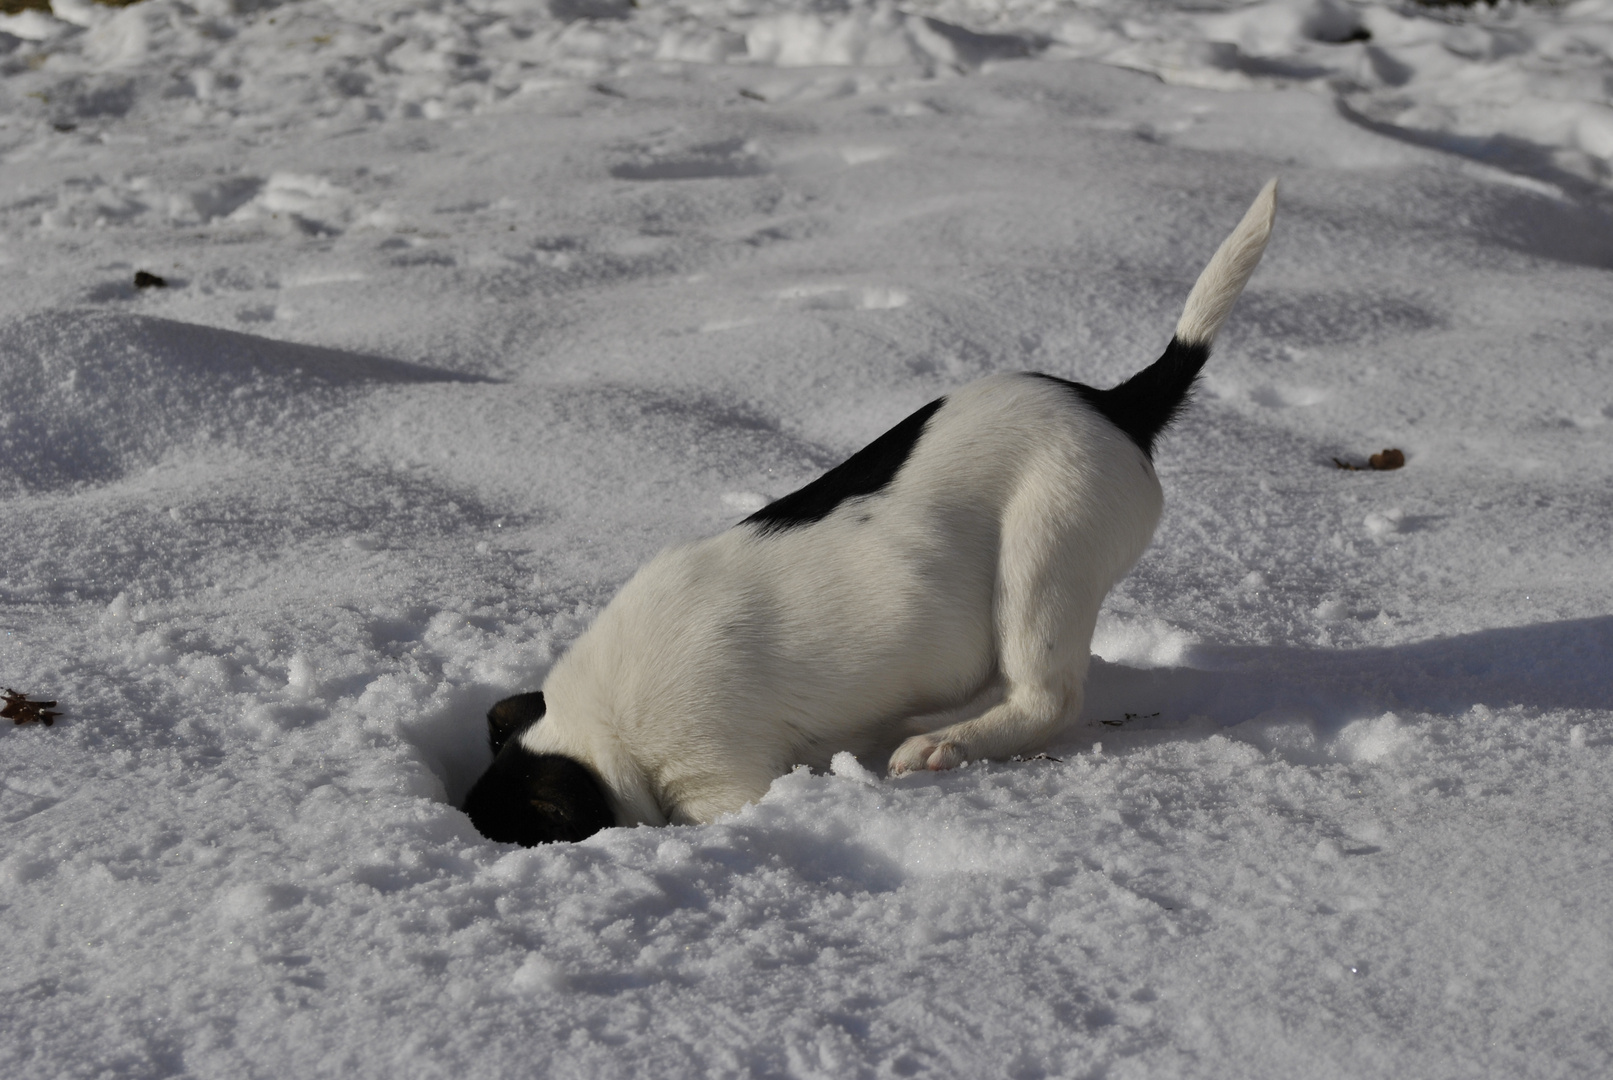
457 670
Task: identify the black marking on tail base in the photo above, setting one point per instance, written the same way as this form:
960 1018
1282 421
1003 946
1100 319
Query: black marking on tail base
530 799
1151 400
864 473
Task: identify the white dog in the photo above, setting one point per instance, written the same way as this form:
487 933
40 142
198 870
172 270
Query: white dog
954 565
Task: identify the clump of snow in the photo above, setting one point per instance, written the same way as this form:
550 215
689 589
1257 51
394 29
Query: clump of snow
1141 643
1299 738
846 765
1381 523
1371 740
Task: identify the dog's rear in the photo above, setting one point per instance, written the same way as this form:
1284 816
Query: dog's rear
960 558
1082 521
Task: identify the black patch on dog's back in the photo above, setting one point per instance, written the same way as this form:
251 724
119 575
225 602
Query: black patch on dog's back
530 799
1149 402
512 716
864 473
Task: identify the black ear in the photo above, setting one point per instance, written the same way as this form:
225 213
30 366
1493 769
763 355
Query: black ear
512 716
529 799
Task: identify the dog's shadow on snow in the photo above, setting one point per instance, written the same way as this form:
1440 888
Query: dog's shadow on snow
1560 665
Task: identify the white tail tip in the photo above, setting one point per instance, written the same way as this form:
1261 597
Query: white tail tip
1222 281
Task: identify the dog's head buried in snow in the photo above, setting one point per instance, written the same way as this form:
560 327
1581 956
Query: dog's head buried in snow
945 579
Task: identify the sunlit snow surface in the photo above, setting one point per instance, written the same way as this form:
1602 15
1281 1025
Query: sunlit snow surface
473 307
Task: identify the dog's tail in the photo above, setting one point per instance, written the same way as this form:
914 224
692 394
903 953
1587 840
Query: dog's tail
1146 404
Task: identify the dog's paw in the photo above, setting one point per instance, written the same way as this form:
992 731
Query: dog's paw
927 752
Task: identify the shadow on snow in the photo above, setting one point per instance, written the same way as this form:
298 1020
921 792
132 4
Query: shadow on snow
1547 666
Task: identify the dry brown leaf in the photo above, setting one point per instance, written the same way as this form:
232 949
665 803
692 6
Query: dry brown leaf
23 711
1382 462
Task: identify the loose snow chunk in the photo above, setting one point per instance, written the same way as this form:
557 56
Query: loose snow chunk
1290 737
538 975
297 193
1142 644
121 41
1370 740
674 852
846 766
302 677
1382 523
245 903
1327 851
32 25
877 298
1297 738
1226 751
1332 610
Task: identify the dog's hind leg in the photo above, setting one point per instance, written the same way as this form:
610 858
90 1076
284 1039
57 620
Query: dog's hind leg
1056 564
1043 670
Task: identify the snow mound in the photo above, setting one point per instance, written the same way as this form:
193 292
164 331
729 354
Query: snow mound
94 395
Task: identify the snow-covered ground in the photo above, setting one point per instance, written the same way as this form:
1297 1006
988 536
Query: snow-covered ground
471 307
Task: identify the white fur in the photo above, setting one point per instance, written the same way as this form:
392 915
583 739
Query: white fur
1222 281
971 584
